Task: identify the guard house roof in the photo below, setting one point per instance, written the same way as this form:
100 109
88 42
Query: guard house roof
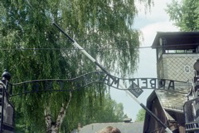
176 40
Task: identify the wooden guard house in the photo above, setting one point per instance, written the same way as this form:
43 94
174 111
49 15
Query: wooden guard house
176 54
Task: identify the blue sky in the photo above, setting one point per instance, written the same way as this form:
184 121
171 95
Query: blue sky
149 24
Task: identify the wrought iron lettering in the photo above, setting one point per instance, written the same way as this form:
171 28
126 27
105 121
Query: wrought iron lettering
48 85
144 83
137 84
161 83
152 83
171 85
111 81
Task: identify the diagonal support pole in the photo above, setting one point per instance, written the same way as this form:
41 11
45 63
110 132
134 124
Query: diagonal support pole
75 44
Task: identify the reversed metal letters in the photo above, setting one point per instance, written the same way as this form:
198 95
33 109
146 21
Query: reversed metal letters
135 84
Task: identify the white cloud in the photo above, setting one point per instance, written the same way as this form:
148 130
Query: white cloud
151 22
149 31
157 12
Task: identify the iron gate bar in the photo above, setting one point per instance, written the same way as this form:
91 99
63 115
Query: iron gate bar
75 44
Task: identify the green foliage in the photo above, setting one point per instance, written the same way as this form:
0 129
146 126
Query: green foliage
185 14
92 111
141 115
31 48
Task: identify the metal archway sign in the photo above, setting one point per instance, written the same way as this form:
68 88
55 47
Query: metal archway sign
135 85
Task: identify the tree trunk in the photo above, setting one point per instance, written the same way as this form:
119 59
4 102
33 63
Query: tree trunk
53 126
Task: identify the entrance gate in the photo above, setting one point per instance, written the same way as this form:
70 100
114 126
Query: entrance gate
136 87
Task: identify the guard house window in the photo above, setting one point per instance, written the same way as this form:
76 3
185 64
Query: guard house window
186 51
176 43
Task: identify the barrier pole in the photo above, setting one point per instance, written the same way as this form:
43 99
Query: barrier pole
76 45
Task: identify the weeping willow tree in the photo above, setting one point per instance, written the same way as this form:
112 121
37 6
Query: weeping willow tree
31 48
